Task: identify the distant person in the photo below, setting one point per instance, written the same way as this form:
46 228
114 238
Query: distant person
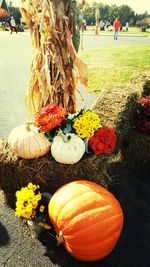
13 25
116 26
127 26
101 25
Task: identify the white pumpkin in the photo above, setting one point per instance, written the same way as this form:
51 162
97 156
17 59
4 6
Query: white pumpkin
67 149
26 142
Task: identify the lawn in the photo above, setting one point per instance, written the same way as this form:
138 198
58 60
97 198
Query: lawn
110 65
132 30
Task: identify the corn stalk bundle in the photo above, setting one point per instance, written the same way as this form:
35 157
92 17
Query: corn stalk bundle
55 67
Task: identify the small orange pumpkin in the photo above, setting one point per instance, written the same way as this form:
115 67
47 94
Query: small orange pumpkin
87 218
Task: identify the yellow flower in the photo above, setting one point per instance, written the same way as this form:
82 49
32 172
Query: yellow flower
26 215
33 214
27 201
32 186
42 208
86 124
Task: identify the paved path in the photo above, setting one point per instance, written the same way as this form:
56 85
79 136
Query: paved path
17 247
106 40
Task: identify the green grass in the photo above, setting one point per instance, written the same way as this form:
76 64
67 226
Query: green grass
132 30
110 65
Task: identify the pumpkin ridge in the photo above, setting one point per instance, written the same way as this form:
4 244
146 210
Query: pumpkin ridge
77 196
67 202
20 147
77 235
92 257
90 225
73 215
87 214
41 143
101 246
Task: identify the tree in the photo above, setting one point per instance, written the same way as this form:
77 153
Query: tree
114 13
110 13
89 15
104 12
126 14
15 12
97 16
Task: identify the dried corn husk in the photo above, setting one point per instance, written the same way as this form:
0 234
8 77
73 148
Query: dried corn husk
55 67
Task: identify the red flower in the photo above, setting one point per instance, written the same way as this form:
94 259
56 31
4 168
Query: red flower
103 141
49 117
143 114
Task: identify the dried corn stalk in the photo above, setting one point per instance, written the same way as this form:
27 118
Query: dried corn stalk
55 67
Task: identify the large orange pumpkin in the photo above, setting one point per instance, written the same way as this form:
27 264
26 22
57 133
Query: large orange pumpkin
87 218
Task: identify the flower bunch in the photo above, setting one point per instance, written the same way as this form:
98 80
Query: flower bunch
143 114
32 207
49 117
27 201
86 124
103 141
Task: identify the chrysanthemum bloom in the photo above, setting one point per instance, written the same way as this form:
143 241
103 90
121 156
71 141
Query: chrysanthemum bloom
27 201
143 114
86 124
103 141
49 117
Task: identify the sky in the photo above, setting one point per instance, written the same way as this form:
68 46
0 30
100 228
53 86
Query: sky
139 6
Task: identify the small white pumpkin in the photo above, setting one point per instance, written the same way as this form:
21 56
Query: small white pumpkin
67 149
26 142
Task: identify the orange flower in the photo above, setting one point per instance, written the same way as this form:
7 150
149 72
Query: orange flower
49 117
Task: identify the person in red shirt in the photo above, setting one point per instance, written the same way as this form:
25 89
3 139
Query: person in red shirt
116 26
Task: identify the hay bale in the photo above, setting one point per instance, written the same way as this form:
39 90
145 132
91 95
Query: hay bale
136 151
116 106
143 79
45 171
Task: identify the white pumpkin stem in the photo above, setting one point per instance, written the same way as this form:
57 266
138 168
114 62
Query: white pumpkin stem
63 136
60 238
28 126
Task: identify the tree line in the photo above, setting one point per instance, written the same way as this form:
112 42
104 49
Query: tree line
106 13
111 12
